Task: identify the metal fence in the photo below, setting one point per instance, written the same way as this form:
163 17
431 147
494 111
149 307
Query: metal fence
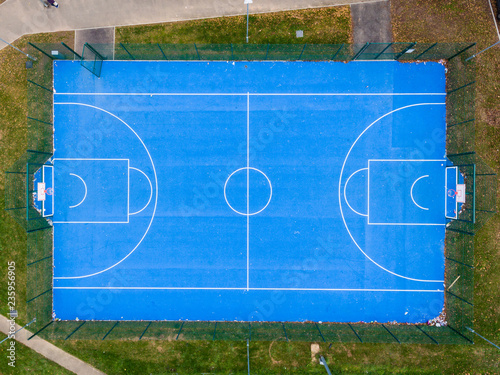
459 242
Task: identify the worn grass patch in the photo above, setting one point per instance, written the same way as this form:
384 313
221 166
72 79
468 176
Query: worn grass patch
471 21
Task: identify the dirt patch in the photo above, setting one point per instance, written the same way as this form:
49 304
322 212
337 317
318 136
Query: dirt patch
314 352
493 117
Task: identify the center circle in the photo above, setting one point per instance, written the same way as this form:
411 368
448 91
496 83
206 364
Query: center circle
248 191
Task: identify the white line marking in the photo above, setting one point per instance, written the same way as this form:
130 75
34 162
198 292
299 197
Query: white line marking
84 185
268 201
53 188
368 199
156 192
150 195
88 158
494 18
415 160
411 193
407 224
42 172
256 289
340 186
345 196
128 191
246 94
90 222
248 190
446 193
86 222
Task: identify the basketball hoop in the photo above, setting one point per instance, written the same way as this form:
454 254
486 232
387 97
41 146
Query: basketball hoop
49 191
452 193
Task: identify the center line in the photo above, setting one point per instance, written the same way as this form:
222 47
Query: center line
248 191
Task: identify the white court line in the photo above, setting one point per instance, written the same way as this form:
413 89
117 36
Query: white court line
93 159
406 160
270 193
42 172
104 159
248 190
442 224
53 188
86 222
345 196
150 195
249 94
418 160
411 193
128 191
255 289
340 197
446 194
156 192
84 185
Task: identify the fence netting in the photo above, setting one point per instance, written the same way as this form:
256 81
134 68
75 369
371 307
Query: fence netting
459 242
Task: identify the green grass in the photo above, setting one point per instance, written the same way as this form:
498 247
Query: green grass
465 20
325 25
422 20
28 362
12 237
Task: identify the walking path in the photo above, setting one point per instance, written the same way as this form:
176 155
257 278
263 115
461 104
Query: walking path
21 17
372 22
49 351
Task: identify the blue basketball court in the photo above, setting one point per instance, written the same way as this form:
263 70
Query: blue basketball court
250 191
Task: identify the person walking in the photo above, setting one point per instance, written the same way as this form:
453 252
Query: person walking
53 3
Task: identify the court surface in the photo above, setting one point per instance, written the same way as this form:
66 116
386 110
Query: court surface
250 191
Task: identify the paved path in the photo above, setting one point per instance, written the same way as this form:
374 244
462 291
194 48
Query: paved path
49 351
372 22
20 17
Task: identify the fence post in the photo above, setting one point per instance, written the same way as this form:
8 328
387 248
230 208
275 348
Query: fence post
196 48
74 53
158 44
425 333
361 51
320 332
336 53
132 57
40 330
180 329
458 53
106 335
390 44
142 334
427 50
305 45
359 338
284 330
404 51
77 328
42 51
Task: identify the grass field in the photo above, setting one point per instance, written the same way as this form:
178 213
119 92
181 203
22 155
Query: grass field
422 20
